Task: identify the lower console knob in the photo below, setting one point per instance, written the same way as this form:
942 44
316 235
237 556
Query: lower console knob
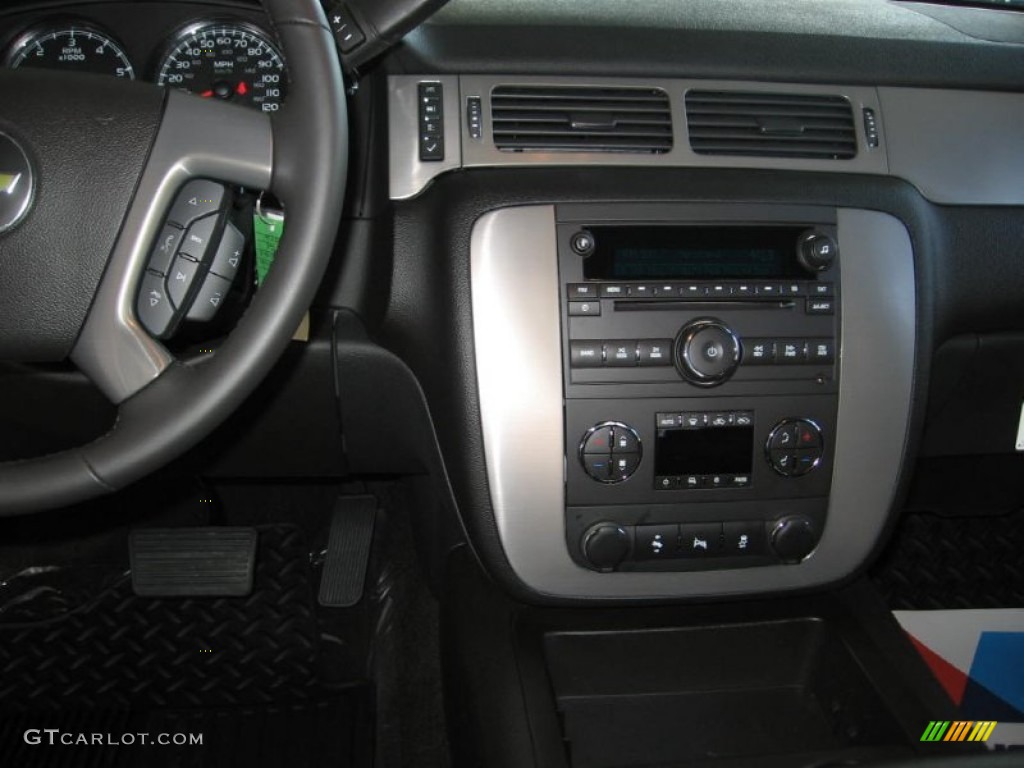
707 352
605 545
794 538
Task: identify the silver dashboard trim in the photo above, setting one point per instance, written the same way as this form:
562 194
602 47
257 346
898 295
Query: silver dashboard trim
409 176
197 138
516 319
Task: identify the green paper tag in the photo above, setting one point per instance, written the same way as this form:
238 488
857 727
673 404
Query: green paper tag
267 230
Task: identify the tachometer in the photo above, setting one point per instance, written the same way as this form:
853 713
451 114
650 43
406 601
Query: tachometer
71 48
234 62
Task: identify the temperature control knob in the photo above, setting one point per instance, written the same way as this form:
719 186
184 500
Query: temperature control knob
816 251
605 545
707 352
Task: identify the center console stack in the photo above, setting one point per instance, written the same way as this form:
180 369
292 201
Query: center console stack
701 383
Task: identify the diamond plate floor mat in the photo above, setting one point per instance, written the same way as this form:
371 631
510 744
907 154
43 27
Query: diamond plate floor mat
938 562
243 672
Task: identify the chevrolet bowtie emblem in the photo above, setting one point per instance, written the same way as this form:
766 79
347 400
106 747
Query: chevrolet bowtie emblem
9 182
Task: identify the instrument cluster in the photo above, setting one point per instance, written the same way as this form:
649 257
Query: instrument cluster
232 60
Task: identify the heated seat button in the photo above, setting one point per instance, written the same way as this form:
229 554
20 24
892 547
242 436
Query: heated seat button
783 437
196 199
743 538
700 539
210 298
180 279
165 248
656 542
153 307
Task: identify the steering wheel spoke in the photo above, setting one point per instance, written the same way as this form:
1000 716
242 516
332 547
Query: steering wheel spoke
198 138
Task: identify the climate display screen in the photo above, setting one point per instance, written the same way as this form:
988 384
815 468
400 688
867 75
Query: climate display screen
723 451
693 253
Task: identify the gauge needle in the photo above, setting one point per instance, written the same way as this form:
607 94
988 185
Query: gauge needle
242 89
206 94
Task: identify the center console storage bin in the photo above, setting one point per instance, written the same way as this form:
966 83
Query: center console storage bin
714 695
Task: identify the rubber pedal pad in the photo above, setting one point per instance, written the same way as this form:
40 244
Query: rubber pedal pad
192 562
348 551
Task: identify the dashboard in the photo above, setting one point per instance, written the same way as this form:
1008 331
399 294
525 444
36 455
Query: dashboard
221 52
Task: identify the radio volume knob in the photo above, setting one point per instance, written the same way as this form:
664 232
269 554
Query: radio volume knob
707 352
816 251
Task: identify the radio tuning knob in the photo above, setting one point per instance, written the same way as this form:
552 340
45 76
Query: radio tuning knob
707 352
816 251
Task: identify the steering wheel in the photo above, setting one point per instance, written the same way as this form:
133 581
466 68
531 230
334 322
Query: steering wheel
102 160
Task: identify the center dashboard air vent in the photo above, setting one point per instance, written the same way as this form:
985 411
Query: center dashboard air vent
527 118
755 124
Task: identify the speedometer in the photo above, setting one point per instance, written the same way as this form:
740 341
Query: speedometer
71 49
233 62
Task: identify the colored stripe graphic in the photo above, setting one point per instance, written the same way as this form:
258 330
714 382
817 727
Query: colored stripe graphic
959 730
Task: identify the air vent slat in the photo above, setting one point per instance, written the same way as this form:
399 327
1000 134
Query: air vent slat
770 125
581 119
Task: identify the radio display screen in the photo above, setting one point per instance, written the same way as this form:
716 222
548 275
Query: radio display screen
693 253
710 451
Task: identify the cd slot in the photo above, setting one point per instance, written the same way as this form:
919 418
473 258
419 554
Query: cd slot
628 305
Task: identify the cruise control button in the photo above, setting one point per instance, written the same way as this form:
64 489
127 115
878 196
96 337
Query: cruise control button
210 298
743 538
653 353
584 308
599 441
165 248
586 354
153 307
229 253
700 539
656 542
624 441
620 353
180 279
196 199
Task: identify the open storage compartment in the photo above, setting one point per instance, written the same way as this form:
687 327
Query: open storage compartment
716 695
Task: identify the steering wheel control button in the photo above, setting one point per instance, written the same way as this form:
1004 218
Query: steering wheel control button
17 183
210 298
743 538
699 540
793 538
198 198
347 34
431 121
165 249
180 278
229 253
606 545
707 352
610 452
199 238
656 542
153 307
795 447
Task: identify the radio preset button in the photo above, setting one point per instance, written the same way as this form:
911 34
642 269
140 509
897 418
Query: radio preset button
720 290
584 308
693 290
641 291
655 353
586 354
620 353
769 290
668 290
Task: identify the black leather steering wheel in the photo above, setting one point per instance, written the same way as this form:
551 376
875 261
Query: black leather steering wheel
70 269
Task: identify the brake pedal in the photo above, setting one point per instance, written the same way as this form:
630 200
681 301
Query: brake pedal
192 562
348 551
